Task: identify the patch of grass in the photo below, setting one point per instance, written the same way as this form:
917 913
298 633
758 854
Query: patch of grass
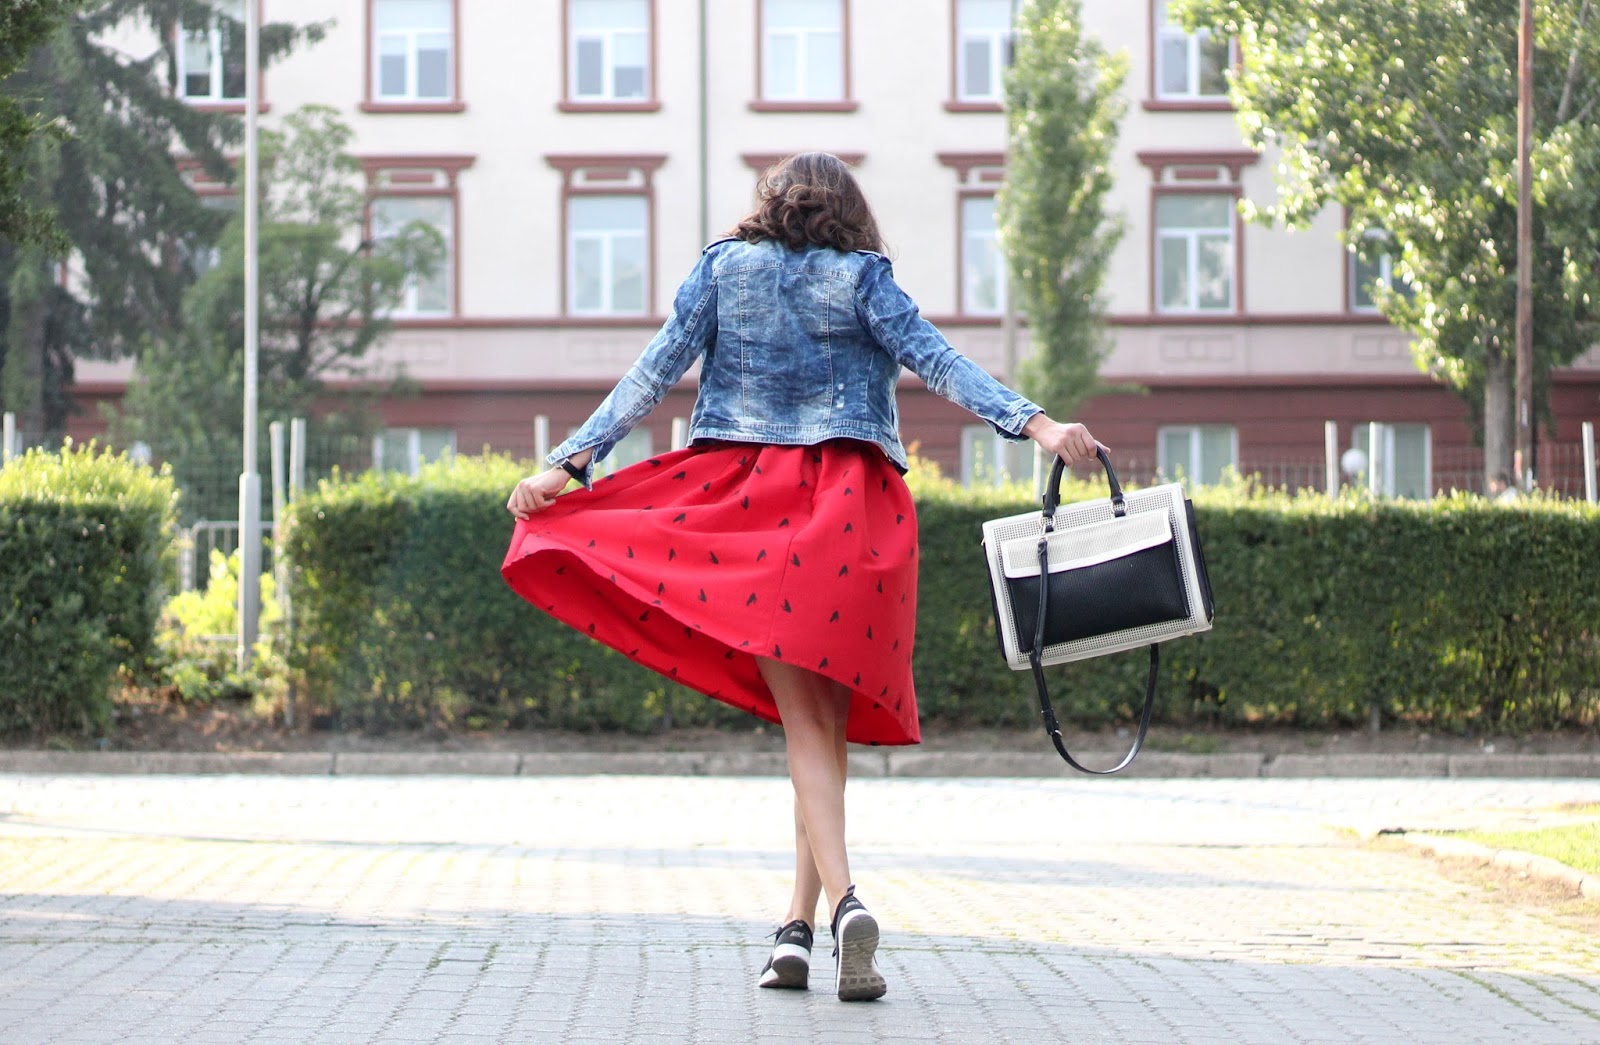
1576 845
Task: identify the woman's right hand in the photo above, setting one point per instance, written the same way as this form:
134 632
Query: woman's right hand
537 492
1070 442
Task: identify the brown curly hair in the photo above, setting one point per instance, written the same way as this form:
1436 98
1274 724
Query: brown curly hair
812 198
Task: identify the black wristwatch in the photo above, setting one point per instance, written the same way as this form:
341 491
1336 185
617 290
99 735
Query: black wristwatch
573 470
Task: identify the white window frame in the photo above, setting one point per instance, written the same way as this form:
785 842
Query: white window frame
409 307
1385 471
1192 469
970 240
1194 44
999 46
990 459
1385 276
607 239
410 37
414 459
1191 235
608 61
805 40
638 445
218 71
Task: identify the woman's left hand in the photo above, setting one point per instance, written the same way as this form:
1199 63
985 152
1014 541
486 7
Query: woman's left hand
537 492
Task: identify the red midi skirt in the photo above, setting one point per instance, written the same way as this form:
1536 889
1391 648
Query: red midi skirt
696 562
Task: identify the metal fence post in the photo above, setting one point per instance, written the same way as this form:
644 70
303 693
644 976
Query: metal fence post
680 432
1374 430
1330 453
8 439
297 457
541 437
1588 463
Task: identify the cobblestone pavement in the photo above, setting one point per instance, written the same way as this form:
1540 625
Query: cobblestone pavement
628 909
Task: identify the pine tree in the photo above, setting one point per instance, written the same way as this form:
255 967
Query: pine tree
23 24
118 194
1063 101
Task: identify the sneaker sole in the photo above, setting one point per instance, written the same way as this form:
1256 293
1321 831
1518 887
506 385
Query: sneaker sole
856 979
791 971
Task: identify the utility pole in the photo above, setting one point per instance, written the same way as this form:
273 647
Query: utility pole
249 478
1522 461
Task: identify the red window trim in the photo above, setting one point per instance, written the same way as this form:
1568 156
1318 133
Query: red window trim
651 102
231 105
451 166
954 103
453 104
1153 101
646 164
759 103
1217 189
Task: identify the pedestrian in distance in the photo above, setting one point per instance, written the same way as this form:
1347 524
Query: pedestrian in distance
772 563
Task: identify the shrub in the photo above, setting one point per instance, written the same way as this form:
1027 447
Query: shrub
1458 613
83 535
197 655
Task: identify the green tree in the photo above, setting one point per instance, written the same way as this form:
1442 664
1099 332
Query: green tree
1404 113
116 191
326 292
1063 102
23 24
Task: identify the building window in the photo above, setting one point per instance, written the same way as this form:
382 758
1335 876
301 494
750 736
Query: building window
211 56
1370 268
990 459
983 49
406 450
1195 252
802 50
607 208
1189 66
425 294
609 56
1198 454
608 240
413 45
203 253
1403 463
983 265
636 446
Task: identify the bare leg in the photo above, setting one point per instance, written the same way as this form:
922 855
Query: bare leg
814 711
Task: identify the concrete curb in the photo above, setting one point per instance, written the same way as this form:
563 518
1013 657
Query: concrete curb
864 762
1542 867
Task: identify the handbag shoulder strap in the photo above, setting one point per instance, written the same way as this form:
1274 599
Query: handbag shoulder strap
1052 499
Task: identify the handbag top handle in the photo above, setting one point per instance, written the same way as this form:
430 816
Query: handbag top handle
1052 490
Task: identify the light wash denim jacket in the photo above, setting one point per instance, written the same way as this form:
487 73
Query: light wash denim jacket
800 347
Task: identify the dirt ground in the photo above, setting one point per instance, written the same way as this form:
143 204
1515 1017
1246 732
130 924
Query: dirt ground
172 726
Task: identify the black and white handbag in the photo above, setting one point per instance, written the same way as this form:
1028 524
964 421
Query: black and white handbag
1119 573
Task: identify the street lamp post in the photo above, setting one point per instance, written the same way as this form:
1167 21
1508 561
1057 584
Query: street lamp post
1522 462
250 479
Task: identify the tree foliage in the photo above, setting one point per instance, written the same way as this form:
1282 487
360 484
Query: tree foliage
1404 113
116 188
326 292
23 24
1063 103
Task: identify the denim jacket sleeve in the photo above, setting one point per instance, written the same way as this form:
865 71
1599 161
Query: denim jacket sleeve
688 330
917 345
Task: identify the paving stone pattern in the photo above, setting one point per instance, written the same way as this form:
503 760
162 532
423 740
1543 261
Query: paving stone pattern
167 910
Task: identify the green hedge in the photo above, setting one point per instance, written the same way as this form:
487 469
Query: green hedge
82 540
1459 614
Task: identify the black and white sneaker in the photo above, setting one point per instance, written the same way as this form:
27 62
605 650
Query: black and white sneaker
855 941
789 965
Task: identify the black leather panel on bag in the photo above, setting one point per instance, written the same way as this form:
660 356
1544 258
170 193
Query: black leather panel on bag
1199 561
1129 592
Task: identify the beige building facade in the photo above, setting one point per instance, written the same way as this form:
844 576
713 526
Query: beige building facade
577 154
